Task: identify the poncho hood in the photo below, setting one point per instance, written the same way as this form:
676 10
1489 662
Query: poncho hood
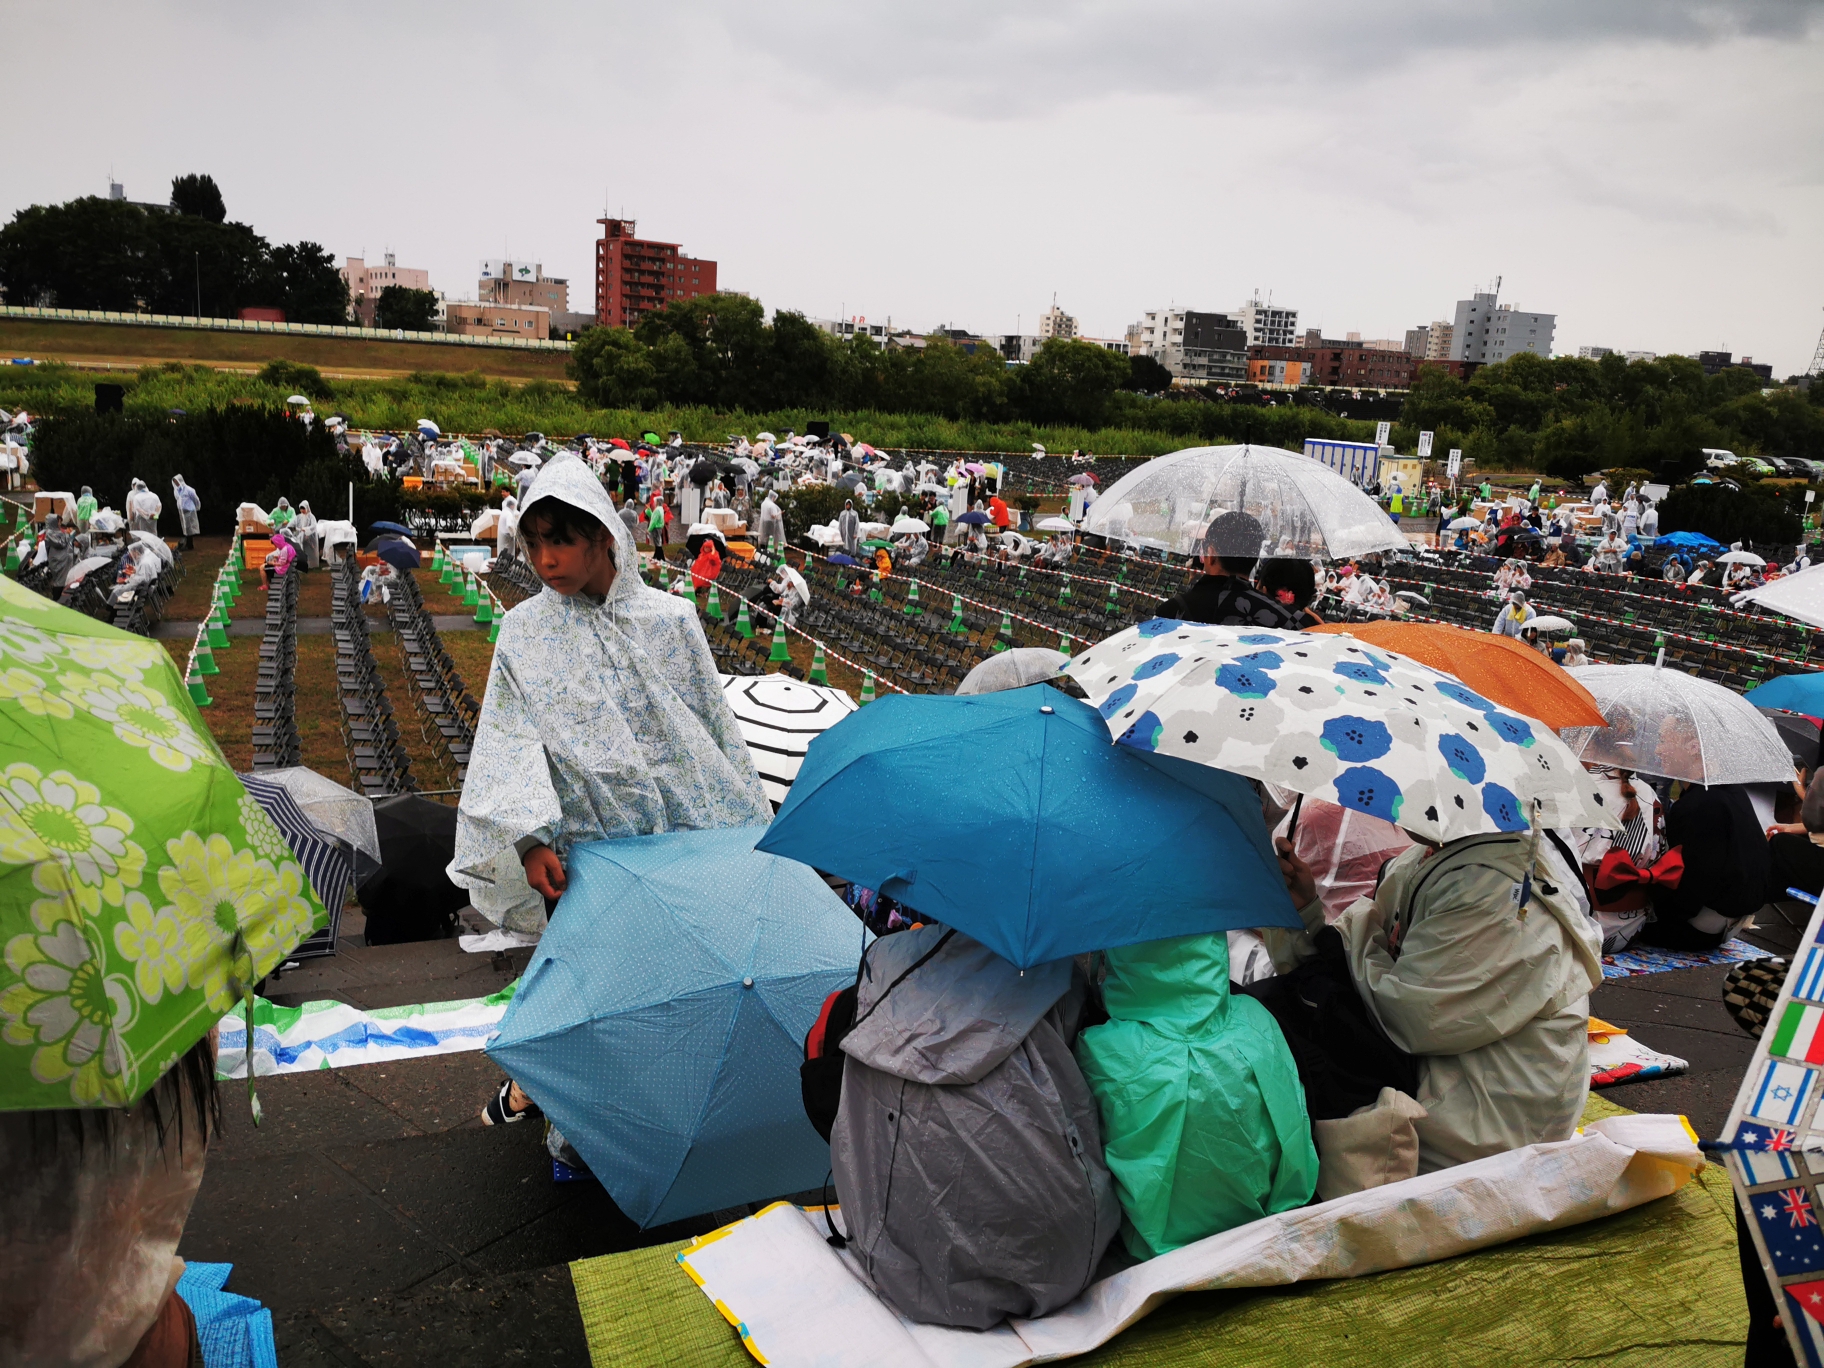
956 1017
568 479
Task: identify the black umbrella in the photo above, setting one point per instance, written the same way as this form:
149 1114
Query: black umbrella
694 543
703 471
1799 733
850 481
973 518
396 551
411 898
391 527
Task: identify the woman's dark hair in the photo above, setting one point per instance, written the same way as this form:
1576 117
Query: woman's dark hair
184 1108
562 524
1289 574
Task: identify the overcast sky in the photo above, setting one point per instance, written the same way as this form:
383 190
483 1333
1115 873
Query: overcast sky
1649 170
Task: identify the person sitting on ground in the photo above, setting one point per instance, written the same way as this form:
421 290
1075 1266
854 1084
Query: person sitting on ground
91 1214
1203 1118
1230 548
1728 870
607 686
1491 999
967 1151
1514 615
1291 582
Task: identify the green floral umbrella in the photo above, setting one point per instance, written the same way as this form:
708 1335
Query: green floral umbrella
141 889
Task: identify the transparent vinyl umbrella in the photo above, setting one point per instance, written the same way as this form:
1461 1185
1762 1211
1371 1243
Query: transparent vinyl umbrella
1304 509
1668 723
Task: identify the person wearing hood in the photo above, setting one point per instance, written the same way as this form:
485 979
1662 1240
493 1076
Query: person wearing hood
282 514
57 551
85 508
189 504
770 526
1231 548
304 533
603 717
506 531
966 1151
1477 958
707 566
848 527
143 508
1514 615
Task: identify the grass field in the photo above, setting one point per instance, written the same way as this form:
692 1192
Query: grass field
131 346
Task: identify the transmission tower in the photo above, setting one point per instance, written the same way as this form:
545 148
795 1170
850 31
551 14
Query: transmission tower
1817 358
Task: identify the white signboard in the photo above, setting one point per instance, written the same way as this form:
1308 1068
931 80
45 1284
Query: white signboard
1456 462
1424 445
1381 433
524 270
493 269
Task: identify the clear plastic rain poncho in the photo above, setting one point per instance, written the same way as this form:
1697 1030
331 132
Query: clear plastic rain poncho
600 720
1304 509
1677 726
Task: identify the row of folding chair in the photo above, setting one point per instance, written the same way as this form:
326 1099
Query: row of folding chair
275 716
446 710
376 756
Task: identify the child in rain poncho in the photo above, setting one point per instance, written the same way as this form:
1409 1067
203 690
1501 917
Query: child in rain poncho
1203 1117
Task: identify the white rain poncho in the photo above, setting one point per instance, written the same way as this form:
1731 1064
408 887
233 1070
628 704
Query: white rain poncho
1493 999
600 720
143 508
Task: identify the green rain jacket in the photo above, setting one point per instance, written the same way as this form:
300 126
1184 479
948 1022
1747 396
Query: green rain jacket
1203 1117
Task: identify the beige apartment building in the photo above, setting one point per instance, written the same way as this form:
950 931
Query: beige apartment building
483 318
365 283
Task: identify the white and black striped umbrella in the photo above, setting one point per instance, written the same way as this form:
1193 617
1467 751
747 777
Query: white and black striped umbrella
780 717
328 864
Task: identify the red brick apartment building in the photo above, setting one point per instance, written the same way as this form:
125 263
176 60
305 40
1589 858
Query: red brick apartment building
633 275
1339 364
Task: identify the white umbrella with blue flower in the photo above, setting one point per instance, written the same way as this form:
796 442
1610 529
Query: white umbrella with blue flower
1329 716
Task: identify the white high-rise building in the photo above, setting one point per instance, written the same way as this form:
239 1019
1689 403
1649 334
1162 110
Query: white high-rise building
1485 331
1054 322
1267 325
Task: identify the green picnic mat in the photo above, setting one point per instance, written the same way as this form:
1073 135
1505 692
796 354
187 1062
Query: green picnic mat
1657 1287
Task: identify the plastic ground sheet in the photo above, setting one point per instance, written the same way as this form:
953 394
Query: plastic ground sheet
1657 1286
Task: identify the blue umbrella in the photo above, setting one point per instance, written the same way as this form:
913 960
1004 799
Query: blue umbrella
661 1022
391 527
1799 693
1010 817
972 518
396 552
838 558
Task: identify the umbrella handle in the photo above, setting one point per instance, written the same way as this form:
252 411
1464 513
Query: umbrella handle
237 947
1298 802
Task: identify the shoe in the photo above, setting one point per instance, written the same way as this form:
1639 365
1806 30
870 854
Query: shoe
499 1113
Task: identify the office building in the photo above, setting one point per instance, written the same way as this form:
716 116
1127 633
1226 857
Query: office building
635 275
1054 322
1438 338
481 318
1342 364
1487 332
1197 348
845 328
1267 325
523 284
366 282
1417 340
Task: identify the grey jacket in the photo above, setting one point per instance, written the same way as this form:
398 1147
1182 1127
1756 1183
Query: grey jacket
968 1150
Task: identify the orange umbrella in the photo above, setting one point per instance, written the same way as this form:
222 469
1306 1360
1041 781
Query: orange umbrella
1500 668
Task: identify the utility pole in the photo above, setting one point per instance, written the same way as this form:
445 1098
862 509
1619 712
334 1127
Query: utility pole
199 283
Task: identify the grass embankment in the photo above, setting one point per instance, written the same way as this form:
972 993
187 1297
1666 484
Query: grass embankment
472 402
131 345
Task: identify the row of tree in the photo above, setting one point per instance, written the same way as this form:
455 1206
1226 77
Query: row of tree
1568 417
94 253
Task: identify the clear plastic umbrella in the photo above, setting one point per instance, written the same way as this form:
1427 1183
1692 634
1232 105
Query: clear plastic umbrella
1304 508
903 525
1671 724
1798 596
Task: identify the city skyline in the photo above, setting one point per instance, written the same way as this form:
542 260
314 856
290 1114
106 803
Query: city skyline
1642 171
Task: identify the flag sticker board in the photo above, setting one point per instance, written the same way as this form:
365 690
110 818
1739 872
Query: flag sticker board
1775 1159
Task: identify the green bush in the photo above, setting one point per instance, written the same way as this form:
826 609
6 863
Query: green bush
294 376
1753 514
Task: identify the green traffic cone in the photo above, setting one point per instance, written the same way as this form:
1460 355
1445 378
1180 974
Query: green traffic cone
12 556
1019 587
1064 642
437 556
1005 638
867 688
957 624
664 574
912 609
780 654
1113 606
1064 593
820 673
494 628
199 692
484 608
447 575
218 627
688 591
874 588
470 594
714 607
205 659
743 623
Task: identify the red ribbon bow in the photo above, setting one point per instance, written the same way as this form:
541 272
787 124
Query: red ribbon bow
1618 872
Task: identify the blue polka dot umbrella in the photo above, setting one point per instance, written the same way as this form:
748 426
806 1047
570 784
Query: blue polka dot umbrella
1340 720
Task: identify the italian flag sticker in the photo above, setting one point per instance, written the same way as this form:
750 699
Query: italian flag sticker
1801 1033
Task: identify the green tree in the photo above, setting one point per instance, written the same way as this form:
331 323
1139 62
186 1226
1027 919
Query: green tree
90 253
614 369
226 264
310 287
1146 375
200 196
402 307
1068 382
